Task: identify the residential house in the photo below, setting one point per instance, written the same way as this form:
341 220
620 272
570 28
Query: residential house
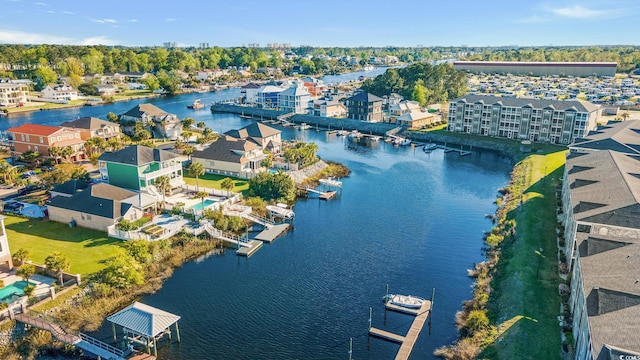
233 157
260 134
69 188
135 76
295 99
553 121
411 115
250 93
60 93
315 87
41 138
267 96
329 108
364 106
13 95
105 89
6 262
208 75
93 127
268 71
97 207
136 167
161 123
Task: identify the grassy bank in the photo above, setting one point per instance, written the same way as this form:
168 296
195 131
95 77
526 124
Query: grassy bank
213 181
86 249
525 301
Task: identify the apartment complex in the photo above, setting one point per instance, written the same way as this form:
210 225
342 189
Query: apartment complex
41 138
539 68
601 207
552 121
12 94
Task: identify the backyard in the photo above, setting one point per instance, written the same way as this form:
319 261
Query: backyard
213 181
86 249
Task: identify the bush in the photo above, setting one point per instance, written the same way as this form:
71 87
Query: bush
127 225
477 321
28 290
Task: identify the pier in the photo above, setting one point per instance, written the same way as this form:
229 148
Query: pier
273 232
252 247
407 341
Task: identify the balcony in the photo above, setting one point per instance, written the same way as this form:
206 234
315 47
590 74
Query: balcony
167 171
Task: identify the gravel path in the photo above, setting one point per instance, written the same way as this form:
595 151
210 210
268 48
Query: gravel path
299 175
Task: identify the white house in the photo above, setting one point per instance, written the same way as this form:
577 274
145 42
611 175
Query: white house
12 94
60 93
294 99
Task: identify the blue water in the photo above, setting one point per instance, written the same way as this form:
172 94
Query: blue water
200 206
405 218
12 292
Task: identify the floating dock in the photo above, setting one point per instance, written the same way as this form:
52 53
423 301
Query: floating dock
247 251
270 234
408 341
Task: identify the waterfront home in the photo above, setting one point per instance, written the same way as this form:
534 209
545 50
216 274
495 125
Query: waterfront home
93 127
233 157
136 167
552 121
98 207
13 95
209 75
162 123
329 108
294 99
250 93
60 93
6 262
266 137
409 114
41 138
315 87
105 89
364 106
69 188
267 96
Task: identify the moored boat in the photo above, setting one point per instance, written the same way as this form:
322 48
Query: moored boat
408 301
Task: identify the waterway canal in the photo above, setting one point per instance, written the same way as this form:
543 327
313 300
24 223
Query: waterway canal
408 219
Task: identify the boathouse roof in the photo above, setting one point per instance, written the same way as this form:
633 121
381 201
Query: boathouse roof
144 319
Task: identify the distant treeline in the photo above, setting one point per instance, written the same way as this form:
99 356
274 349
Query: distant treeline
423 82
105 59
627 57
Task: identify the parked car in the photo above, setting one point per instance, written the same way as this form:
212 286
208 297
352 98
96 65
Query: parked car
27 174
13 206
47 168
30 189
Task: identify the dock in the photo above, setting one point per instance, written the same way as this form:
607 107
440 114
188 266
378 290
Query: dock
247 251
408 341
327 195
270 234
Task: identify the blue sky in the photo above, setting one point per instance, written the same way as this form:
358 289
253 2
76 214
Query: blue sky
346 23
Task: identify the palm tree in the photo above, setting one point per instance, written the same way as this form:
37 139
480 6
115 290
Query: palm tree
8 172
625 115
21 255
163 184
26 271
201 195
196 169
58 263
227 184
94 145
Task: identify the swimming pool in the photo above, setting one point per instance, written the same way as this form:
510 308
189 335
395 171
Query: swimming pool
13 292
207 203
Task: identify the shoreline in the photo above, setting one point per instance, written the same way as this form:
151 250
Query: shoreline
29 109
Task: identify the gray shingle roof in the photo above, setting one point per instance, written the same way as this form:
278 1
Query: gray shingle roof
618 136
101 200
89 123
593 197
580 106
364 96
225 149
137 155
146 108
255 131
70 187
144 319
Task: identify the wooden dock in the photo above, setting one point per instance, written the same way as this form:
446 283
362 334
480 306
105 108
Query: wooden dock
247 251
327 195
272 233
408 341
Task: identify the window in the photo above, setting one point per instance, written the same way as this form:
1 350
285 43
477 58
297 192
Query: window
35 148
77 136
41 140
28 138
583 228
59 138
52 139
22 137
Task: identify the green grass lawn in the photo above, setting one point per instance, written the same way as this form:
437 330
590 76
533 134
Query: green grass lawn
213 181
525 300
86 249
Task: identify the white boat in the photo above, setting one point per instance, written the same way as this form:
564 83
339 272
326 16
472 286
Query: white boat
408 301
342 132
430 147
197 104
304 126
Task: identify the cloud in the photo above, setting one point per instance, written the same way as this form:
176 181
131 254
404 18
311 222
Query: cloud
104 21
20 37
170 20
533 19
581 12
97 21
133 20
110 21
51 12
41 4
68 12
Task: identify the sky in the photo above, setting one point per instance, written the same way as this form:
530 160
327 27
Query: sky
341 23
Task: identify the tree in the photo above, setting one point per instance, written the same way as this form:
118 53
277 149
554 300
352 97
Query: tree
201 195
151 82
187 122
21 255
227 184
75 80
188 150
163 184
279 186
201 125
30 157
122 271
95 144
139 250
45 76
63 173
26 271
419 93
196 169
57 263
625 115
8 172
112 117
